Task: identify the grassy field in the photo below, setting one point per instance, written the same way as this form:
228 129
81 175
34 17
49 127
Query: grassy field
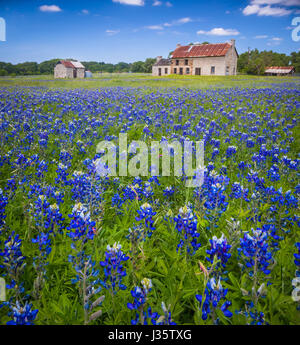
147 80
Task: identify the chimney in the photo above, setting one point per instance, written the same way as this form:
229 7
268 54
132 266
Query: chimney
178 45
232 42
158 58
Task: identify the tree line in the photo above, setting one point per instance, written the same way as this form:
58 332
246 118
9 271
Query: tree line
47 67
255 62
251 62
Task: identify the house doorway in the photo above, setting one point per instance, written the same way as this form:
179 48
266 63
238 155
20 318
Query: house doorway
181 71
159 72
74 73
198 71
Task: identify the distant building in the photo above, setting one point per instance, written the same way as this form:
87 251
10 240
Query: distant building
161 67
69 69
201 59
280 70
88 74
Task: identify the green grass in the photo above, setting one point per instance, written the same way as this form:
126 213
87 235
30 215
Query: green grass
147 80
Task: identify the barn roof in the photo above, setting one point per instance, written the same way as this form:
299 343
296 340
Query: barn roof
67 64
279 69
163 62
72 64
200 50
77 64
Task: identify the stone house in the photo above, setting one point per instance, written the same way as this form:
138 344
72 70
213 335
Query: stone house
69 69
161 67
204 59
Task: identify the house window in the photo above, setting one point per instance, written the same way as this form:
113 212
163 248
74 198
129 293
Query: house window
166 71
227 70
187 71
186 62
212 70
175 70
181 71
177 62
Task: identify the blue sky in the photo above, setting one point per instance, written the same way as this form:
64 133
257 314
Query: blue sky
131 30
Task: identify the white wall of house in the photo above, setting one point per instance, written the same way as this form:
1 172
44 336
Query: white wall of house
231 60
224 65
80 72
165 70
60 71
206 63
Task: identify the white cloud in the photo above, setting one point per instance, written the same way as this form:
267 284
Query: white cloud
131 2
277 2
168 4
112 32
154 27
157 3
275 41
266 8
177 22
251 9
219 32
181 21
227 12
184 20
266 11
50 8
85 11
261 36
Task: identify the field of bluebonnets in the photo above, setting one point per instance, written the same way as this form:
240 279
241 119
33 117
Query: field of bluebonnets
77 247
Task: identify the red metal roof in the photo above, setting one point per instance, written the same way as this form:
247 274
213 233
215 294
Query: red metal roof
281 67
67 64
219 49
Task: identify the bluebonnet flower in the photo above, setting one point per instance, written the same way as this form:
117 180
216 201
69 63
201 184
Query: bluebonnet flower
253 316
297 259
219 248
148 190
164 319
89 284
65 157
62 174
44 243
114 270
231 150
116 201
273 173
186 225
139 304
146 213
3 203
169 191
81 225
255 248
13 260
236 190
22 315
214 293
